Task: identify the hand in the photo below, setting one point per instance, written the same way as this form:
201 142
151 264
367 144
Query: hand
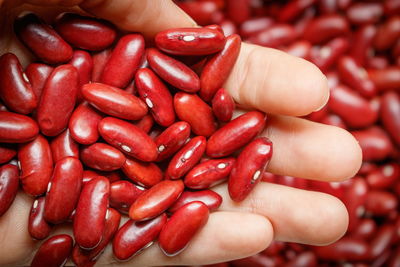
281 85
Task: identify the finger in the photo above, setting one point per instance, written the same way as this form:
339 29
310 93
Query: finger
276 82
312 150
296 215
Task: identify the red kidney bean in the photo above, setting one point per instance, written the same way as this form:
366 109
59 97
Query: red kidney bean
9 182
156 95
98 34
60 91
382 239
334 120
128 138
54 252
385 79
123 194
143 173
114 101
15 89
274 36
365 229
362 42
209 173
124 61
83 63
235 134
374 142
255 25
328 6
178 231
210 198
36 164
190 41
355 199
37 74
384 177
218 67
303 259
299 49
302 23
88 175
173 71
390 114
100 59
259 260
90 216
376 62
319 115
156 200
83 124
293 9
348 249
145 123
238 10
268 177
388 33
367 167
351 107
202 12
187 157
303 184
248 168
196 112
326 27
392 7
17 128
380 203
87 258
63 146
37 226
7 153
133 237
223 105
63 190
102 157
364 13
324 57
395 258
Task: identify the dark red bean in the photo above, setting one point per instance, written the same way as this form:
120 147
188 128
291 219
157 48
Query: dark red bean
355 198
63 190
9 182
146 123
374 142
156 200
36 164
274 36
384 177
326 27
304 184
395 257
83 124
238 10
90 216
143 173
390 114
255 25
324 57
388 33
235 134
124 61
365 229
348 249
380 203
41 39
190 41
7 153
54 252
210 198
100 59
376 62
361 44
133 237
259 260
37 226
299 49
303 259
83 63
334 120
293 9
63 146
37 74
123 194
385 79
15 89
17 128
178 231
102 157
88 175
85 32
382 240
202 12
364 13
223 105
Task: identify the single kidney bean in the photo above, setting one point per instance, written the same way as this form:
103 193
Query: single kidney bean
274 36
172 139
37 226
145 174
190 41
384 177
364 13
235 134
156 200
60 91
83 63
293 9
385 79
186 158
367 167
146 123
83 124
102 157
114 101
248 168
98 34
374 142
128 138
41 39
365 229
173 71
54 252
355 198
334 120
123 194
376 62
7 153
190 108
124 61
202 12
133 237
380 203
15 89
390 114
388 33
210 198
382 240
362 42
223 105
209 173
326 27
36 164
299 49
63 190
253 26
17 128
348 249
324 57
90 216
178 231
63 146
9 182
303 259
218 67
100 59
37 74
88 258
156 95
304 184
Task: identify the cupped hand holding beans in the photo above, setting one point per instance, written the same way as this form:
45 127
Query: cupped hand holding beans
282 86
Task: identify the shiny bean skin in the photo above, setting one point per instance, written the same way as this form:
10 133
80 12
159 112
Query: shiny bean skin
325 56
145 174
299 49
178 231
365 229
386 78
275 36
235 134
15 89
146 123
303 259
382 240
388 33
348 249
98 34
17 128
223 105
37 226
123 194
88 175
133 237
37 74
41 39
355 199
390 115
363 39
380 203
83 124
9 182
210 198
102 157
384 177
190 41
156 200
375 143
100 60
364 13
63 190
326 27
83 63
255 25
290 11
90 216
36 164
7 152
63 146
54 252
238 10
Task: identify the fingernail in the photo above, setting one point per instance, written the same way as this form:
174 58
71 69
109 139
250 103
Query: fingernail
325 102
